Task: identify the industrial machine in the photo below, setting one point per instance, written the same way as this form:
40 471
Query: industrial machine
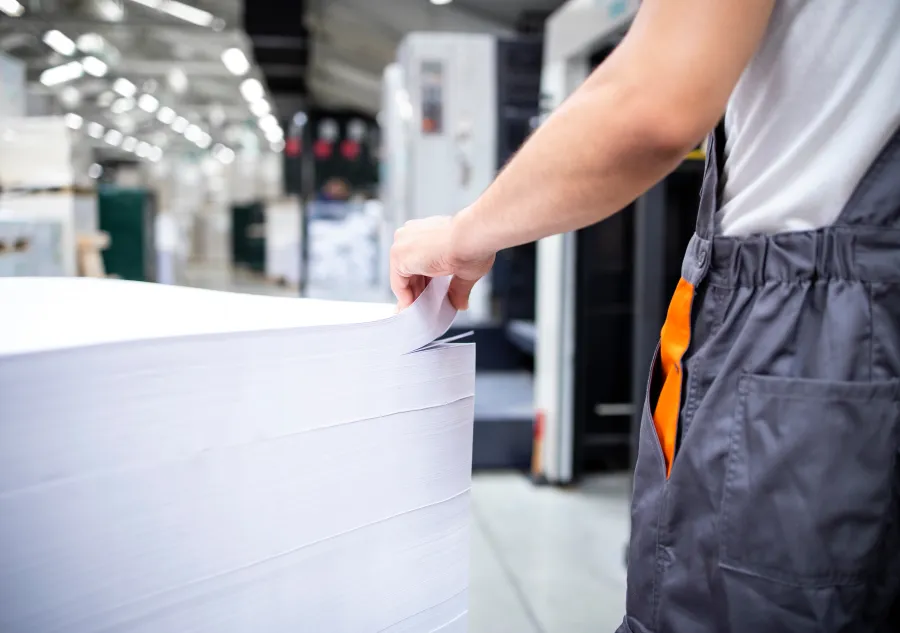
601 291
455 109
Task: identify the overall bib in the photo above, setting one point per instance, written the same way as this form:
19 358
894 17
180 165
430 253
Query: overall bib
767 484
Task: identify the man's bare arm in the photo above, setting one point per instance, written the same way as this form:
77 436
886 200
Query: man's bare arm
627 127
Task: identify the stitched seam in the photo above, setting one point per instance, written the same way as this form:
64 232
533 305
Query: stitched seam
730 470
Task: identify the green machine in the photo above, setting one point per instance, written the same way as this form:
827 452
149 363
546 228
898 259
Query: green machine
128 216
248 237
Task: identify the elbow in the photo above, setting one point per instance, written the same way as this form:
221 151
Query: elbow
667 131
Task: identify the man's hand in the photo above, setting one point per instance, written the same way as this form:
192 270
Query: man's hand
431 248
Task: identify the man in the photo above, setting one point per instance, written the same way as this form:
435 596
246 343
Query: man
767 486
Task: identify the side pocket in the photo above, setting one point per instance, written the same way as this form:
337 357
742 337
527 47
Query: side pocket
808 483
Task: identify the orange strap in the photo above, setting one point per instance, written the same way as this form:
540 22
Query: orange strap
675 338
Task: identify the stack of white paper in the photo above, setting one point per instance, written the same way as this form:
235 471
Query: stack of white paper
174 459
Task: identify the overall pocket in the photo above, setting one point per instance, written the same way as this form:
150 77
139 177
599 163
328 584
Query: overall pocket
808 483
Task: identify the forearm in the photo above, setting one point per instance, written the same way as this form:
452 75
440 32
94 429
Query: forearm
594 155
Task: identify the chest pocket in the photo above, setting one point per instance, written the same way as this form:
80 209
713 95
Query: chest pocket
808 486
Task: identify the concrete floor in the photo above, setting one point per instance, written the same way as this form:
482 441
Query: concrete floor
544 559
547 560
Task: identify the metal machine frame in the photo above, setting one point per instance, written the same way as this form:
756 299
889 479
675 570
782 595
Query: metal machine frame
573 34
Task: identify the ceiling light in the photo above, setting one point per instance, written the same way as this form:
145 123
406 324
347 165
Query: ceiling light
277 146
129 144
95 171
122 105
268 122
441 2
124 87
112 10
178 81
58 41
252 90
113 137
94 66
193 133
153 4
224 154
62 74
260 108
274 134
70 96
235 61
12 8
90 43
74 121
180 124
143 149
148 103
95 130
155 154
204 141
166 115
187 13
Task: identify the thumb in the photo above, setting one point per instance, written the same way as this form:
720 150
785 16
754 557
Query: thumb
459 292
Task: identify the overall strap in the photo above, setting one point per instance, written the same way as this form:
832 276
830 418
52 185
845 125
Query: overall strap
713 182
876 199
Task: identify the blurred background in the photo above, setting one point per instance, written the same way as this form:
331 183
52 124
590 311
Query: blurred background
274 146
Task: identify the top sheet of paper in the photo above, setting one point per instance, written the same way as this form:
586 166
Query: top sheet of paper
46 314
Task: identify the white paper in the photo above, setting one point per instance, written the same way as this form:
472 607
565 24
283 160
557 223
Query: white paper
174 459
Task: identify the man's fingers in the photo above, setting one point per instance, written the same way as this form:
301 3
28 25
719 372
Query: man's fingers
401 288
459 292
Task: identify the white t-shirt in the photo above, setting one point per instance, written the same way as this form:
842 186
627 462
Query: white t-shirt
811 112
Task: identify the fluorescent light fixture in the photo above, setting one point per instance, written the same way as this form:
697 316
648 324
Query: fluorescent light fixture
224 154
236 62
268 122
70 96
274 134
277 146
441 2
122 105
62 74
90 43
260 108
129 143
177 79
95 171
148 103
110 9
124 87
166 115
180 124
58 41
187 13
193 133
12 8
153 4
204 141
155 154
143 149
94 66
113 137
95 130
252 90
74 121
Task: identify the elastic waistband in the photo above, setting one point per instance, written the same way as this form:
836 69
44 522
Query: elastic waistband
848 253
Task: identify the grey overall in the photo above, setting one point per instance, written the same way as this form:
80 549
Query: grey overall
781 513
